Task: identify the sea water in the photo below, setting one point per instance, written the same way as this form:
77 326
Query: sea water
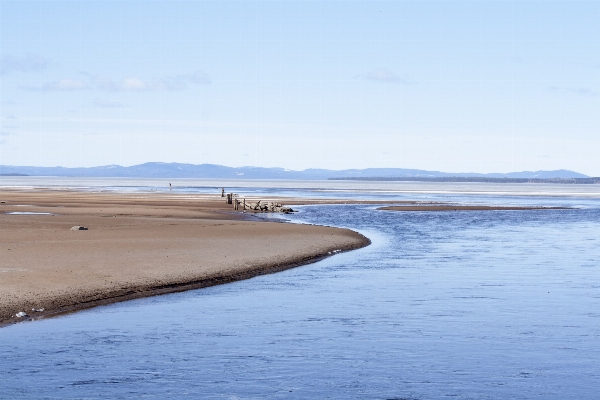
467 305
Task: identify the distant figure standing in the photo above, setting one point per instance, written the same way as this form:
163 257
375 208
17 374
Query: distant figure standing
222 192
170 187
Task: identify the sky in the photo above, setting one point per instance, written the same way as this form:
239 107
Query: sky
455 86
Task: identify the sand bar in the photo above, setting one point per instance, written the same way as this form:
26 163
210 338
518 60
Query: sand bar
138 245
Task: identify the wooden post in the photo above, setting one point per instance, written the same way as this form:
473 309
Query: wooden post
244 209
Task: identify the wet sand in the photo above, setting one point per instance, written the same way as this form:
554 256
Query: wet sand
138 245
450 207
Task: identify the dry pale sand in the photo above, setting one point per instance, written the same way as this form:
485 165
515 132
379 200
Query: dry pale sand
450 207
138 245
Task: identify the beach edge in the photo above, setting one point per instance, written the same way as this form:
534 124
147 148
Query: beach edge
138 292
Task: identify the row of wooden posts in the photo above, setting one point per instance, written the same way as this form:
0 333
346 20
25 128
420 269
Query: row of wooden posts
236 203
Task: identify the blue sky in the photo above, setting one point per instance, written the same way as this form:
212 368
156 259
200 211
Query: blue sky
481 86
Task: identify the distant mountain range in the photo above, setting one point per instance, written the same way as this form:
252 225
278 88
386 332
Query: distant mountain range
471 179
212 171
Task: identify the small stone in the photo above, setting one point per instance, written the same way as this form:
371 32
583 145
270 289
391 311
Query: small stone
79 228
37 309
21 314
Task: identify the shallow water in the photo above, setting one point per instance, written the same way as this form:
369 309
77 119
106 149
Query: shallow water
468 305
27 213
312 188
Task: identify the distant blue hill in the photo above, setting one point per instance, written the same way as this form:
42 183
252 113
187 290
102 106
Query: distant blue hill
212 171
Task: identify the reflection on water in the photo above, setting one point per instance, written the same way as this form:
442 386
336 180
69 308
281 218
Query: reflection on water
466 305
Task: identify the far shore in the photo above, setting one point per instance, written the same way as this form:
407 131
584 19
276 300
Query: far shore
138 245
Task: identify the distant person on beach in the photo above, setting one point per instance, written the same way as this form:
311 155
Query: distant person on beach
170 187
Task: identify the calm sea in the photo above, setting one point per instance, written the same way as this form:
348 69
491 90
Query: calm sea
462 305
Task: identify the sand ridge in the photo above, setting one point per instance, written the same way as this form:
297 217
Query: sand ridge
138 245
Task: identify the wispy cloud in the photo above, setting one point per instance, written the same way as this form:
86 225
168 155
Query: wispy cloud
134 84
198 77
107 103
572 90
138 84
4 133
66 84
60 85
106 83
130 84
28 63
8 102
386 76
10 116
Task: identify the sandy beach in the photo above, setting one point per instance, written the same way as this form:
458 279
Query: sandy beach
138 245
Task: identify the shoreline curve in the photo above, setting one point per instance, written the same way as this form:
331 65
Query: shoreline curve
126 252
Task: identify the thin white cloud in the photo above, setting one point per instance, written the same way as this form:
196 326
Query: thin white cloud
107 103
60 85
386 76
104 83
135 84
66 84
572 90
197 77
130 84
28 63
10 116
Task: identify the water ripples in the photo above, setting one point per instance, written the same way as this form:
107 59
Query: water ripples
468 305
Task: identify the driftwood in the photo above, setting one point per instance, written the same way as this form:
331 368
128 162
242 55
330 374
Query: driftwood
270 206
